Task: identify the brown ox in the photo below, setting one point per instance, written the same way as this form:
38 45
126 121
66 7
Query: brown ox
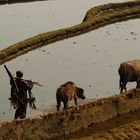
129 72
67 92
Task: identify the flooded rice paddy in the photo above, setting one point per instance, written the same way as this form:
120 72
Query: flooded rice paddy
90 60
23 20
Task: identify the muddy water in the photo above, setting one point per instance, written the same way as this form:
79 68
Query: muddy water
90 60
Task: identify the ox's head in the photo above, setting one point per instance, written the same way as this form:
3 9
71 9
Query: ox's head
80 93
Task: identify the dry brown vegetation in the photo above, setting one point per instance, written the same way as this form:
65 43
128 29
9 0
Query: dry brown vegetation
95 18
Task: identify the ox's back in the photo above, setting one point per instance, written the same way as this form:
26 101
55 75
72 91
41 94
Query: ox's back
68 90
135 64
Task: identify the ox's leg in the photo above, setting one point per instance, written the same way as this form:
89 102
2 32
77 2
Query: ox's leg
123 86
58 104
65 106
138 85
75 100
138 82
58 99
65 102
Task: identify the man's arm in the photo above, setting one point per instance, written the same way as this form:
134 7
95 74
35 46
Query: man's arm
28 85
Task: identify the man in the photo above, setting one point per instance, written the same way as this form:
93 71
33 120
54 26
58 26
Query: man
23 87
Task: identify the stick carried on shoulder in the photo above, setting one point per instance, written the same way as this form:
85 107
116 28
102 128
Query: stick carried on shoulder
33 82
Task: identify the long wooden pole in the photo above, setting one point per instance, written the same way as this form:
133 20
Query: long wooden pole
34 82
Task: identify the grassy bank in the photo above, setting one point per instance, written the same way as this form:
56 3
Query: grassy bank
2 2
95 18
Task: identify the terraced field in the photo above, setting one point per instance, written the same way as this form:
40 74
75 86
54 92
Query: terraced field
95 18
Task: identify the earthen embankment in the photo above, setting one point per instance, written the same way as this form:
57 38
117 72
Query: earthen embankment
67 122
